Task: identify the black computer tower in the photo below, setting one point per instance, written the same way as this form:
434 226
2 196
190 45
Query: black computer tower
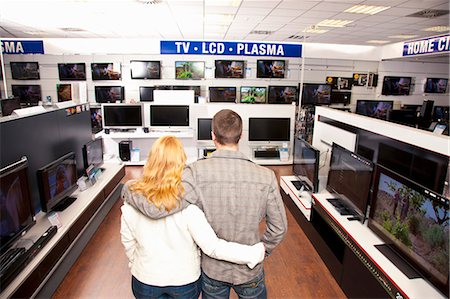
125 150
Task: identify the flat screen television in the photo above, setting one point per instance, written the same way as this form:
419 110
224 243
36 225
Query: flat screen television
57 181
349 179
229 69
270 68
222 94
253 95
316 94
29 95
413 221
282 94
146 93
189 70
93 153
396 86
17 214
123 116
96 120
25 70
106 71
436 85
72 71
145 69
269 129
306 164
405 117
340 97
375 109
64 92
169 115
204 129
9 105
109 94
441 113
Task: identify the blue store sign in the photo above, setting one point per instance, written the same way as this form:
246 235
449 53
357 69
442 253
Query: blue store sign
231 48
430 45
22 46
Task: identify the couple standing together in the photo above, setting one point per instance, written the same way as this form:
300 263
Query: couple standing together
216 203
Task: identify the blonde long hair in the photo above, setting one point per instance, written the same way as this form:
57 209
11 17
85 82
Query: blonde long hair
161 181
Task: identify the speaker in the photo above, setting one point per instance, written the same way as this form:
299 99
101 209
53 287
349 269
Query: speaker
125 150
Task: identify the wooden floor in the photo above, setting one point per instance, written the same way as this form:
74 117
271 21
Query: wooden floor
294 270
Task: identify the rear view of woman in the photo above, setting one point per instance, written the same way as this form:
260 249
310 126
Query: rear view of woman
163 254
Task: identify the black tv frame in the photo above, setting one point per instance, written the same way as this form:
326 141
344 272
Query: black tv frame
61 67
295 165
255 128
15 76
147 62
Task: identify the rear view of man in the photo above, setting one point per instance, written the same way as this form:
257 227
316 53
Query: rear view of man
236 195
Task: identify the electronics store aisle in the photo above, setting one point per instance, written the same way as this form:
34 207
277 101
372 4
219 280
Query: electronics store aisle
294 270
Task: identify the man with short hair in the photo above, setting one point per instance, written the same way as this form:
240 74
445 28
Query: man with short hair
236 195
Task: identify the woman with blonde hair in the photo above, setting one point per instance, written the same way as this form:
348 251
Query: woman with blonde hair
163 254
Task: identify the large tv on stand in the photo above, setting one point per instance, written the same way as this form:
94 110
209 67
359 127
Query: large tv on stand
16 209
306 164
413 221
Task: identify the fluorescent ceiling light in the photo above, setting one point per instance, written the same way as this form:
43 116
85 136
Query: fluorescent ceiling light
437 29
316 30
403 36
35 32
366 9
334 23
375 41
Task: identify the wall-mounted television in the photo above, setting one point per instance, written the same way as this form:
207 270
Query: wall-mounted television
306 164
253 95
376 109
109 94
413 221
441 113
29 95
106 71
145 69
96 120
436 85
25 70
93 153
396 86
123 116
340 83
222 94
146 93
270 68
9 105
348 170
282 94
57 181
316 94
169 115
189 70
204 129
340 97
229 69
72 71
64 92
15 198
269 129
407 117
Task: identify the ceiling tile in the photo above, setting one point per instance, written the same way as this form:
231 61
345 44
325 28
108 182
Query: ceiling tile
296 4
286 12
254 11
318 14
349 16
405 20
422 4
442 6
260 3
278 19
380 19
221 9
332 6
398 11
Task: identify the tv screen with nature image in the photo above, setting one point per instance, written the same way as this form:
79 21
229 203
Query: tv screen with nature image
229 69
414 221
194 70
253 95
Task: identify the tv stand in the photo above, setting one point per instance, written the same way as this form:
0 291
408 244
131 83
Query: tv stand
342 208
64 204
398 261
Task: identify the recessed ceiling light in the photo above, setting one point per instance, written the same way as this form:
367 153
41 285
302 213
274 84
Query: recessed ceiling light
72 29
334 23
35 32
403 36
366 9
316 30
375 41
261 32
437 29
